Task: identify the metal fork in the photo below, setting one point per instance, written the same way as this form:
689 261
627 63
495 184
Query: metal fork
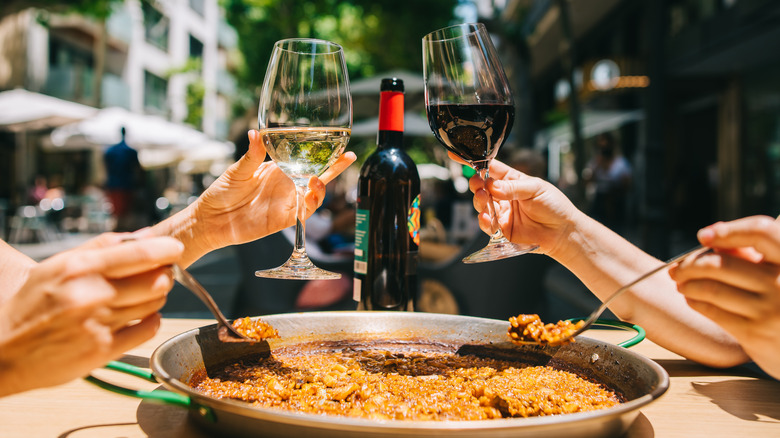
225 330
699 250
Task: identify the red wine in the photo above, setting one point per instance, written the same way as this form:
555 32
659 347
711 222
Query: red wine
388 215
472 132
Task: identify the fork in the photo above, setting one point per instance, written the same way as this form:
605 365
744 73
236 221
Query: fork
225 330
697 251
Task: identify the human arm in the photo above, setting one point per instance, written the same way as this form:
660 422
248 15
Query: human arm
738 286
252 199
533 211
81 308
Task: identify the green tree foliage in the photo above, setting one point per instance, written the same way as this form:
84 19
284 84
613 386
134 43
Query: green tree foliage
377 35
99 9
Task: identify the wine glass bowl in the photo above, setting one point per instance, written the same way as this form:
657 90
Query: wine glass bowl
305 119
470 110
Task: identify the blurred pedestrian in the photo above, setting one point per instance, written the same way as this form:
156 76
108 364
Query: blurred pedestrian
609 173
124 183
38 191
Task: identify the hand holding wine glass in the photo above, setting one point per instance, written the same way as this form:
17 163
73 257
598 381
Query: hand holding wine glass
305 118
470 110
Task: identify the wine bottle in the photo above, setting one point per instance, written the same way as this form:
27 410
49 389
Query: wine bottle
388 214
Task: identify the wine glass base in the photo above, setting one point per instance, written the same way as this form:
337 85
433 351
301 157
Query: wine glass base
298 269
498 251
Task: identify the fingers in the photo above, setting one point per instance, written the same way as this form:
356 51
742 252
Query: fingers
121 317
731 283
102 241
759 232
456 158
256 152
119 260
316 193
344 161
130 336
144 287
521 189
729 298
499 170
729 270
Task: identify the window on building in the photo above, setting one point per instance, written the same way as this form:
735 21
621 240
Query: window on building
198 6
196 48
70 73
156 26
155 94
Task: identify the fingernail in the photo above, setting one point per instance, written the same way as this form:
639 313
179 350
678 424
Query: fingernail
705 234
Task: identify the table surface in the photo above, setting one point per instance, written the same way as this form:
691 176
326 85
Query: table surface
701 402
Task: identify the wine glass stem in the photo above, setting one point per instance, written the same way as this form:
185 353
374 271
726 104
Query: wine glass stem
494 227
300 222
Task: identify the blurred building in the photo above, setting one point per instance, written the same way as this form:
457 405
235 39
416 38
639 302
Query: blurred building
688 87
168 58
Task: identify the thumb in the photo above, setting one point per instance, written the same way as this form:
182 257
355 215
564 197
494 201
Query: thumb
256 152
252 159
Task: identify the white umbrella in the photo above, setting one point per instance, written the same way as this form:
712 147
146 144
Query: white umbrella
22 110
159 142
143 131
211 156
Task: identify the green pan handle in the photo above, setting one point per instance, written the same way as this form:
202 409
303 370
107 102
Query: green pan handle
165 397
640 332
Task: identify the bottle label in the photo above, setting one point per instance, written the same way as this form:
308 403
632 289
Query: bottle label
413 222
361 241
356 286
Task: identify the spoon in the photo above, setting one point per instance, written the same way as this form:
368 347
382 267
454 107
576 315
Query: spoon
699 250
225 330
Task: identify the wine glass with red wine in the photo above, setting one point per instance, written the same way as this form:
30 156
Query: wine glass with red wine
470 110
305 118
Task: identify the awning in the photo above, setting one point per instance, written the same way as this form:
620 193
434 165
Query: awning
160 143
593 124
103 129
23 110
413 83
414 125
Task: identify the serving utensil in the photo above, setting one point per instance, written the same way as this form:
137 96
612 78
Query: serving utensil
697 251
225 331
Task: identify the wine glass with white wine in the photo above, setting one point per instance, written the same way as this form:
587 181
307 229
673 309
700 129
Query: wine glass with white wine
305 119
470 110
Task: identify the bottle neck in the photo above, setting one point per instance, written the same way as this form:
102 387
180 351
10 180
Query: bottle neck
391 119
390 139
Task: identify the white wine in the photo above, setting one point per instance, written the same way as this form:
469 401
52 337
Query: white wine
305 152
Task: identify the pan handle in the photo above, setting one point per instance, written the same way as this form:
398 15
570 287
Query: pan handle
640 332
164 397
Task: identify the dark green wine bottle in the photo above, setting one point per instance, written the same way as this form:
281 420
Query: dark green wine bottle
388 214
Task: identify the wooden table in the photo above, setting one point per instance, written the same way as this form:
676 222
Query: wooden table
701 402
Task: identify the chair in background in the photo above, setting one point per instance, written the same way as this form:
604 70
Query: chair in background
497 289
30 224
262 296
